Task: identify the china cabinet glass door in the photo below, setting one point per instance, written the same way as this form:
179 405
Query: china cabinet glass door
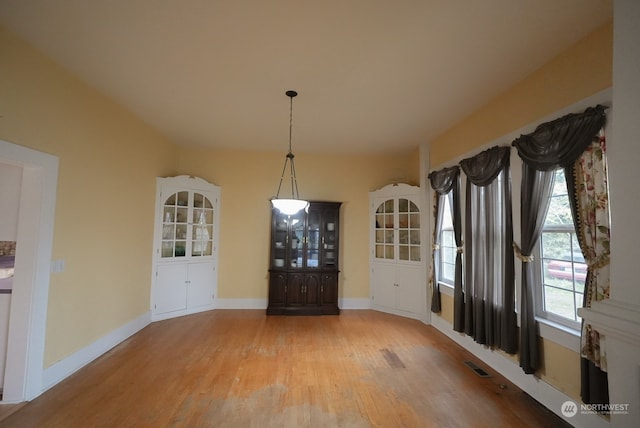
408 230
385 230
397 230
313 239
297 239
202 226
187 225
330 239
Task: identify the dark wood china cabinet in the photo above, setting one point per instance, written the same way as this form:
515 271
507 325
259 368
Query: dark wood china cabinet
303 268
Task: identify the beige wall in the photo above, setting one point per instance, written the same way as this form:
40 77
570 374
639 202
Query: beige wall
250 179
576 74
104 213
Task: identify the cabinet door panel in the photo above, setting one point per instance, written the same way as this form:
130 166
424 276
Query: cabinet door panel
384 284
200 284
277 289
295 282
329 289
411 291
312 289
171 288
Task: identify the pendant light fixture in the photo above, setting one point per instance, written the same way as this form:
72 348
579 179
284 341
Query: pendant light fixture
294 204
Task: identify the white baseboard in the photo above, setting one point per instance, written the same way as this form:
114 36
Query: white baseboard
52 375
541 391
355 303
401 313
241 304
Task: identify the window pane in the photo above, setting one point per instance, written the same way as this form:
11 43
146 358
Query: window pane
404 252
415 253
414 221
559 302
562 266
559 209
403 205
403 221
447 245
389 252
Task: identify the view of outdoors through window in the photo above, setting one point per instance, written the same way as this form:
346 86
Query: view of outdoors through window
563 266
447 246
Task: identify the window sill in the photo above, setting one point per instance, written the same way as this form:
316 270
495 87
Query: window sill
549 330
559 334
446 288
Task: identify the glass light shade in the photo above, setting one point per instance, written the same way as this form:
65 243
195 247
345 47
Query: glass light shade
290 206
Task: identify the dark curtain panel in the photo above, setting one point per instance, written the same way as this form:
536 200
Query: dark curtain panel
458 295
489 288
438 206
447 181
554 144
536 191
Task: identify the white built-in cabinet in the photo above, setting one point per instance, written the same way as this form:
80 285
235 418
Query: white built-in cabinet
397 259
185 244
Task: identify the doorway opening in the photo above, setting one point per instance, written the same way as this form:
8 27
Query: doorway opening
24 366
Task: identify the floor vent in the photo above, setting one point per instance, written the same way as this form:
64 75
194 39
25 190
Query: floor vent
392 359
477 370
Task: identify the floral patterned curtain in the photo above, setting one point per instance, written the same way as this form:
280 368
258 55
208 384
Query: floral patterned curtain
591 213
563 142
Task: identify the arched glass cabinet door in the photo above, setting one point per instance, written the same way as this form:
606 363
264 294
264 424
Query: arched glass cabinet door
202 226
397 230
408 230
187 225
385 230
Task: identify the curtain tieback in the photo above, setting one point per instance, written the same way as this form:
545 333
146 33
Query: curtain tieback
522 257
460 249
436 247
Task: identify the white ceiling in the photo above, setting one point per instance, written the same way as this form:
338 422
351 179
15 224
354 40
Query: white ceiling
374 76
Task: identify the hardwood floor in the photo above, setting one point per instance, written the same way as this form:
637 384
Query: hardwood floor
228 368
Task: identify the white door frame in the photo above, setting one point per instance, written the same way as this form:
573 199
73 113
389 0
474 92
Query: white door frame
27 321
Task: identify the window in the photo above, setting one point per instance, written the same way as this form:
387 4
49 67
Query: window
447 253
563 268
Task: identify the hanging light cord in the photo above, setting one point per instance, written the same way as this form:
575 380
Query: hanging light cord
290 155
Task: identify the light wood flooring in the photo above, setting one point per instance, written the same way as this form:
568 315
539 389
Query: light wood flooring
232 368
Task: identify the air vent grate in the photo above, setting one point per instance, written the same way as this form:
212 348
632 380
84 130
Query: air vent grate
477 370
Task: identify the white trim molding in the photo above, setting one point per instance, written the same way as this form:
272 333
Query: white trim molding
240 304
28 317
66 367
538 389
619 326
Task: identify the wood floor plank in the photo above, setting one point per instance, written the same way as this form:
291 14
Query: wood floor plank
228 368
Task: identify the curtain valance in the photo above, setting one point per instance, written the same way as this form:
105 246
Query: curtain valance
560 142
484 167
444 180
